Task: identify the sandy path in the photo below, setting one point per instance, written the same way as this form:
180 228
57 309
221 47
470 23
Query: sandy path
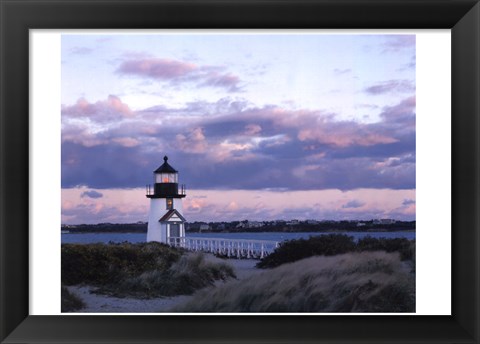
106 304
96 303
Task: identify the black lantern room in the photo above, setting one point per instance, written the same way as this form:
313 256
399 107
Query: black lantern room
165 183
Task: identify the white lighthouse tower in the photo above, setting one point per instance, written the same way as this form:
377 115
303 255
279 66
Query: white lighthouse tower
166 223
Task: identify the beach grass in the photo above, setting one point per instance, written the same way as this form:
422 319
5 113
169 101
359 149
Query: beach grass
142 270
329 273
70 302
191 272
352 282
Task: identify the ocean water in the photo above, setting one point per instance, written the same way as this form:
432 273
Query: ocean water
88 238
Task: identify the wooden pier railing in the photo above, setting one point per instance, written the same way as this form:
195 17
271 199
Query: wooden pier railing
237 248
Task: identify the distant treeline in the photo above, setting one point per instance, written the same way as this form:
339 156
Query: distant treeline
340 226
232 227
107 228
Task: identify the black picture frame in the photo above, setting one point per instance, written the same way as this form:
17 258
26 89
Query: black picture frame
18 16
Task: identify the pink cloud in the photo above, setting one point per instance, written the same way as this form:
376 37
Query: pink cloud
126 141
192 142
179 71
67 205
406 106
157 68
102 111
410 210
273 142
102 212
394 43
227 81
323 128
116 104
194 204
80 133
343 134
316 126
232 206
401 116
216 205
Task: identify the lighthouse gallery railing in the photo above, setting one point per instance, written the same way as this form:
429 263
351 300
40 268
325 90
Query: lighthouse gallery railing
150 189
228 247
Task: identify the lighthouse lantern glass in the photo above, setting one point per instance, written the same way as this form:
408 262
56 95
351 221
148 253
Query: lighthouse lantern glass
166 178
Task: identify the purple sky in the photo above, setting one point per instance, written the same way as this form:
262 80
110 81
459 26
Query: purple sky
259 126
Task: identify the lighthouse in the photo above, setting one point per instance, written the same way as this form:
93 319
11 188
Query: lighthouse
166 223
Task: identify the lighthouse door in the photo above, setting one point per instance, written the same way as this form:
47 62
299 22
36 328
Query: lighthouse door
174 230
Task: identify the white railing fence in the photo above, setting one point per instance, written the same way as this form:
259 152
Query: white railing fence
237 248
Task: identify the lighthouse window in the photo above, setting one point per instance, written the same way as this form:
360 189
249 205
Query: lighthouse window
166 178
169 203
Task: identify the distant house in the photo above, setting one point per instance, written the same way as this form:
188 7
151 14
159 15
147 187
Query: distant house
249 224
384 222
204 227
254 224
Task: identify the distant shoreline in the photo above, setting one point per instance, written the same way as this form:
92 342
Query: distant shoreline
245 226
258 230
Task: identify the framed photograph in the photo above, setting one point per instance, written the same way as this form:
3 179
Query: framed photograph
356 120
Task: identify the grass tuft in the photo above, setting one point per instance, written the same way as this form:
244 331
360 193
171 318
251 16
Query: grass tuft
70 302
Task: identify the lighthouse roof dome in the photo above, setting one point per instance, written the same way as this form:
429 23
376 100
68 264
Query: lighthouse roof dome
165 168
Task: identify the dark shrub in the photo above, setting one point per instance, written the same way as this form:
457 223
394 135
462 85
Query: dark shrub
401 245
100 264
322 245
333 244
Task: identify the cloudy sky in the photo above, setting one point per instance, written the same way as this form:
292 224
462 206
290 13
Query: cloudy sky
260 126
